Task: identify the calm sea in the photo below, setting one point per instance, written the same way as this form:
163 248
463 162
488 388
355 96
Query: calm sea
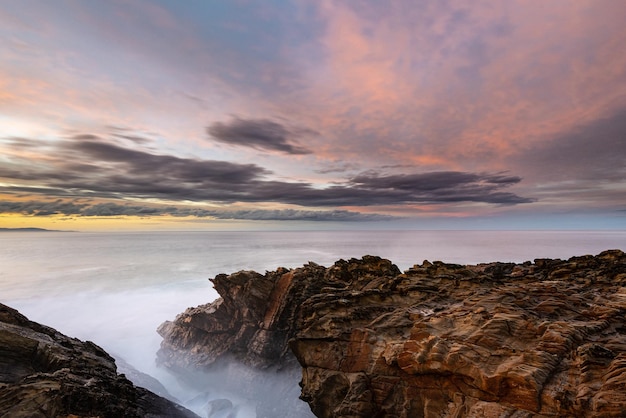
116 288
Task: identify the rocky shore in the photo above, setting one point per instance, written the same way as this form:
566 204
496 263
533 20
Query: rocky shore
538 339
45 374
359 339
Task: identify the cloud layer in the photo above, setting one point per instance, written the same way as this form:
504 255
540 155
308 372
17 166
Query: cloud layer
88 166
73 208
442 108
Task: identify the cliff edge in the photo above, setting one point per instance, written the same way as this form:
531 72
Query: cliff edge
538 339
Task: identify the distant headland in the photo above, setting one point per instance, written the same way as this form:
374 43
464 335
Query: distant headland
30 230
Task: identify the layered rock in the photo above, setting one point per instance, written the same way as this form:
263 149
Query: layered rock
540 339
43 373
242 338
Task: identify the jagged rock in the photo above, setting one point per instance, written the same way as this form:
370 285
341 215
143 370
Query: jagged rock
43 373
542 339
251 324
252 321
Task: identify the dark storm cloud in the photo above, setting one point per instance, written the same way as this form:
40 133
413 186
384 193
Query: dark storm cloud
134 171
58 207
595 151
443 186
94 168
302 215
42 208
585 165
113 209
259 134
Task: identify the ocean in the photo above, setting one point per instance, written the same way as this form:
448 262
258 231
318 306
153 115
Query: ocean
116 288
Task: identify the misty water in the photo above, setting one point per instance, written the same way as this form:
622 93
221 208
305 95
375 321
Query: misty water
116 288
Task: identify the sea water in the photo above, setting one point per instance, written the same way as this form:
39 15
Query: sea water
116 288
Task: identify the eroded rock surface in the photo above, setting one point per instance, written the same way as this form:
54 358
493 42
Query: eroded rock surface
251 322
541 339
242 338
43 373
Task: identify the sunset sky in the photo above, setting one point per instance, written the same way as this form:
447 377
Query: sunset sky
313 114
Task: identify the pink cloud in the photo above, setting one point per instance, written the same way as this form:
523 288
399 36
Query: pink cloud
465 83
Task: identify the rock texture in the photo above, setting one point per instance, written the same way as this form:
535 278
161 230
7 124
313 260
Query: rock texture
542 339
251 322
246 332
43 373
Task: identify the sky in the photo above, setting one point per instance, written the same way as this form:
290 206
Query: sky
313 114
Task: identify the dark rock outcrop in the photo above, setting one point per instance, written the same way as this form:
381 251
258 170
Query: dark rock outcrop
542 339
44 374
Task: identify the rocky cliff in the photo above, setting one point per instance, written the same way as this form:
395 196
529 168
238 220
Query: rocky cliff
45 374
540 339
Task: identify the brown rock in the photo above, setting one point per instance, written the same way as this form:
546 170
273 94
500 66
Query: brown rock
504 339
250 324
542 339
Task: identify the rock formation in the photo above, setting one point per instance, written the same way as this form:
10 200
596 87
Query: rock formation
246 332
44 374
542 339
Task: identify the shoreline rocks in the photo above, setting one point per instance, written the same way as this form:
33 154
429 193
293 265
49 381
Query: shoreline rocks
44 373
537 339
